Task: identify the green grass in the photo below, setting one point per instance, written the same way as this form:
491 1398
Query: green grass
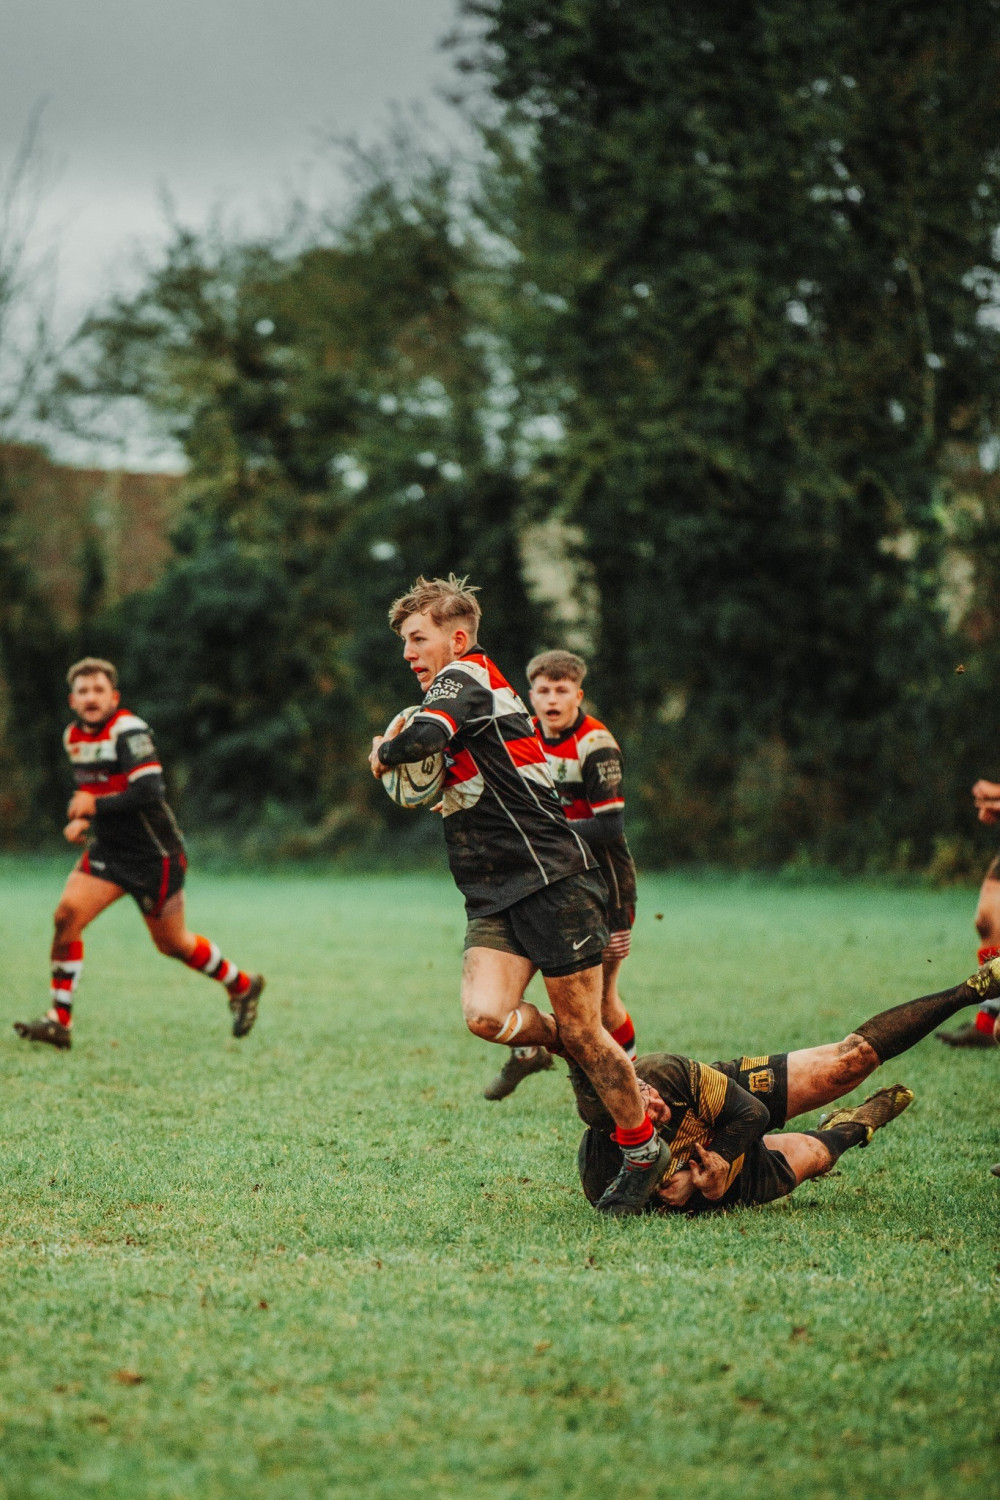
339 1272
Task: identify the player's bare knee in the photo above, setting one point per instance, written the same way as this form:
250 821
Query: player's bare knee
485 1026
857 1057
65 920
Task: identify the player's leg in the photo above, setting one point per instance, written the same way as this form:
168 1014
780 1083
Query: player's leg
811 1153
493 984
979 1031
818 1075
169 930
84 897
614 1016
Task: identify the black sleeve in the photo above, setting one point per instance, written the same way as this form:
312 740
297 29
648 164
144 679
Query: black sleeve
420 738
741 1121
589 1105
603 830
141 793
138 759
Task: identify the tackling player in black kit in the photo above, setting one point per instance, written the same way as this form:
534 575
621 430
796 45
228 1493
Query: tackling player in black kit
134 847
722 1121
533 895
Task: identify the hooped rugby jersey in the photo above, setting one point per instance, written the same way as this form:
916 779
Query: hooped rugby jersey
114 759
506 832
586 765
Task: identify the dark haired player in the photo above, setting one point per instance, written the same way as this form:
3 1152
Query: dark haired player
721 1121
134 847
586 764
533 896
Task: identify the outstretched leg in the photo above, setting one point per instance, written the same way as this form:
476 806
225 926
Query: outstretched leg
978 1032
818 1075
84 897
172 936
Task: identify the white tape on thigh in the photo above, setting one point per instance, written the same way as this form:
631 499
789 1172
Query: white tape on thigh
508 1031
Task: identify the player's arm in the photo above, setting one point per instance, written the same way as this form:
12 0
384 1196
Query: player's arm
589 1105
738 1120
986 796
138 759
453 701
603 787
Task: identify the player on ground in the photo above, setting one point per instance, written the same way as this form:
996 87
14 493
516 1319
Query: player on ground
718 1118
119 811
984 1029
533 896
586 765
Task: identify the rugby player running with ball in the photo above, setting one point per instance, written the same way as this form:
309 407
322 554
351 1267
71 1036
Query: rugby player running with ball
534 897
134 847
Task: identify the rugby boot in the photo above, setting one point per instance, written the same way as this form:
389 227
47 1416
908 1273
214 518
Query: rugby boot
877 1110
521 1062
966 1035
635 1184
244 1007
46 1029
996 1169
985 982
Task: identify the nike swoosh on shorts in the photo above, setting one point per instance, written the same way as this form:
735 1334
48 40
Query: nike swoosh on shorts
582 941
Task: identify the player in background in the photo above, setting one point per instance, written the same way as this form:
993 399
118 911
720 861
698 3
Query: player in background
586 764
119 810
984 1029
533 895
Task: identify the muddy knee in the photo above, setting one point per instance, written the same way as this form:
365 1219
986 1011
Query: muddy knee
493 1028
858 1056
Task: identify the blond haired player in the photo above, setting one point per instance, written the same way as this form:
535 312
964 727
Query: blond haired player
586 764
133 845
533 896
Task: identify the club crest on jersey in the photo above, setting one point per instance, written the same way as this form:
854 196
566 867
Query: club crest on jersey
761 1081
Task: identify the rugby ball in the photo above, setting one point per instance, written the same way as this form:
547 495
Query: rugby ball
419 783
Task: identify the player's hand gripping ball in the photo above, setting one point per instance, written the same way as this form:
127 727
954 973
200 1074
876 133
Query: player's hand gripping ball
419 783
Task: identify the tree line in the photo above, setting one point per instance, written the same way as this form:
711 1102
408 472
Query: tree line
694 367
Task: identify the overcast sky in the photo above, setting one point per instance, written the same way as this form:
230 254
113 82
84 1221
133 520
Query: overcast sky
215 100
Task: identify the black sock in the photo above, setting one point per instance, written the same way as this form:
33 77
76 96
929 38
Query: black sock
840 1138
897 1030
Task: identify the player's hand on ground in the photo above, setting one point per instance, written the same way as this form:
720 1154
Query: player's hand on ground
82 805
677 1189
709 1172
656 1107
76 831
378 769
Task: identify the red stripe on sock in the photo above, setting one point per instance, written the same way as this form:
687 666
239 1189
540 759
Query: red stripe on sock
200 953
238 987
985 954
65 1014
74 952
637 1137
624 1034
984 1022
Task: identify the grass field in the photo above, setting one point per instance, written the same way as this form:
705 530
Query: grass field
317 1263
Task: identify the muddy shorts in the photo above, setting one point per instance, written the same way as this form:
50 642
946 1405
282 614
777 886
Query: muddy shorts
562 928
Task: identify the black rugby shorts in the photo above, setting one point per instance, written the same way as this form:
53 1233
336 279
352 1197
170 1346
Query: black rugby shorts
562 928
149 881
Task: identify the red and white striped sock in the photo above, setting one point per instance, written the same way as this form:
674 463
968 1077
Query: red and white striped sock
987 1014
66 971
624 1035
207 958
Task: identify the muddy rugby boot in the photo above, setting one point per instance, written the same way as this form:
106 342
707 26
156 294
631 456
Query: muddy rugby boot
522 1062
46 1029
244 1007
635 1184
877 1110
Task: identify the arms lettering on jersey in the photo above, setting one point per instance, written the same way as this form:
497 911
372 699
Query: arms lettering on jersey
456 700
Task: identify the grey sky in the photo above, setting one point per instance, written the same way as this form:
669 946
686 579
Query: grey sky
214 99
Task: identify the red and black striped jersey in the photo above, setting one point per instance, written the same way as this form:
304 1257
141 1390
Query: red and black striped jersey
506 832
118 761
586 766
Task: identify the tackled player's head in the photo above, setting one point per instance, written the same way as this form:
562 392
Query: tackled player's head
93 689
438 621
556 679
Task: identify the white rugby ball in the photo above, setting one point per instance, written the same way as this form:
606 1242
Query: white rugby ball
419 783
